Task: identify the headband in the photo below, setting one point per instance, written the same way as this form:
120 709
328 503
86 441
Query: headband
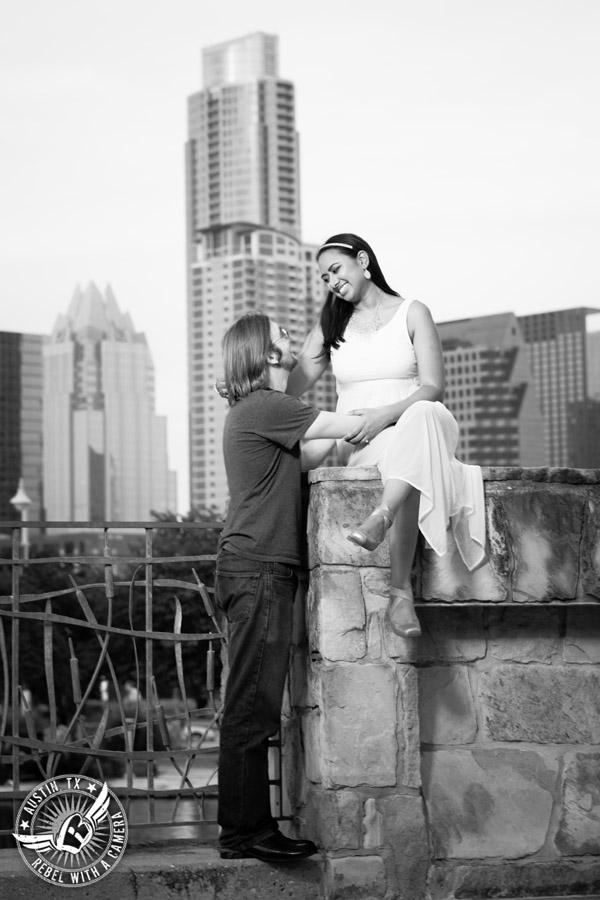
347 246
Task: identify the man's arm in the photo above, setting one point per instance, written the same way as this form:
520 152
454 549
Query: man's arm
330 425
319 439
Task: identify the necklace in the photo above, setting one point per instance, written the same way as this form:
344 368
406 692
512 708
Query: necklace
365 325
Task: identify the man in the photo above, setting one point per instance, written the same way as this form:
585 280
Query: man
256 578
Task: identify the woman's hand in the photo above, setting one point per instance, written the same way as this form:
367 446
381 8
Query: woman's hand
220 386
372 420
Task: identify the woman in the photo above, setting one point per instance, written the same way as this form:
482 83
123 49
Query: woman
387 359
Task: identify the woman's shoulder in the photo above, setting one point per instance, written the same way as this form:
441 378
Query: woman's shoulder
398 309
417 310
395 302
419 318
391 307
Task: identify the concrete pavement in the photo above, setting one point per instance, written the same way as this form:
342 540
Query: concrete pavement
173 871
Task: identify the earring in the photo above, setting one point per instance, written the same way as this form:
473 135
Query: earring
367 274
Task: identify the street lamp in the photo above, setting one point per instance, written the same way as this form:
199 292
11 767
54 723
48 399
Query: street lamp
22 502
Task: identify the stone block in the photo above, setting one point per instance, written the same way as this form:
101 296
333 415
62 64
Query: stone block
497 534
582 640
540 475
405 835
375 648
542 704
488 803
375 589
591 545
579 828
358 742
525 635
337 614
408 734
446 706
336 507
333 819
314 685
451 635
505 879
543 533
354 878
447 578
372 824
311 742
381 640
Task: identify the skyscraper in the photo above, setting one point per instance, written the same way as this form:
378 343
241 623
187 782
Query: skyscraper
243 145
243 229
20 421
490 391
558 347
105 449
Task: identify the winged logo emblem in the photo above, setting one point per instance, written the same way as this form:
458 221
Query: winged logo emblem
75 832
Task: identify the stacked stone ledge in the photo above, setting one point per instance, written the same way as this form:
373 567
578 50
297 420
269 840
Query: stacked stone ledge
465 763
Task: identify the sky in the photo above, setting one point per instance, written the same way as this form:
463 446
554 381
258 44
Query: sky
460 138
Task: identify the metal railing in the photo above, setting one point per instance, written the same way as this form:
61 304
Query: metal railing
110 662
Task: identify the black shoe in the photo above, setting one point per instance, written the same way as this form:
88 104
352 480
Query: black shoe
277 848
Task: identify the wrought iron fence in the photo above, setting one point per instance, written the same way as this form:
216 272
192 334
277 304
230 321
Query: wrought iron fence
110 665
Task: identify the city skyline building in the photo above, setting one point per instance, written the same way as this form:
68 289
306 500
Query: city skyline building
591 453
105 449
243 158
565 371
21 421
244 249
491 392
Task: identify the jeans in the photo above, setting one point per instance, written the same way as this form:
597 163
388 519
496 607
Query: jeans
257 600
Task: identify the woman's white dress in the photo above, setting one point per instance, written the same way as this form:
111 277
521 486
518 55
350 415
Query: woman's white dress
379 368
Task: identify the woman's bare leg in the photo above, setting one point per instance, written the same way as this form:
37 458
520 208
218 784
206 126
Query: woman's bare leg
404 532
401 501
400 614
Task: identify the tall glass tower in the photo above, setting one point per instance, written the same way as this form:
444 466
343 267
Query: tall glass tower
105 449
243 229
243 145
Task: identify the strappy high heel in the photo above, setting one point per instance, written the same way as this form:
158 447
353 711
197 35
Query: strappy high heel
372 531
400 614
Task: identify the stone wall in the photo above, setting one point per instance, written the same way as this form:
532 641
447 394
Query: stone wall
464 763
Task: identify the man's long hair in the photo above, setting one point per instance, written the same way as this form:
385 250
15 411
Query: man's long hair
246 347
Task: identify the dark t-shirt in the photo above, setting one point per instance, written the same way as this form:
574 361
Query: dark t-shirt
261 446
